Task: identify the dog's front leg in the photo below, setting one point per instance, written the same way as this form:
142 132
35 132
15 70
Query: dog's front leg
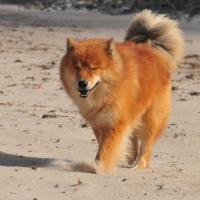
110 147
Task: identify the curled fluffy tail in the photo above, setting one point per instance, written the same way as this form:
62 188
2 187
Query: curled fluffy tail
159 30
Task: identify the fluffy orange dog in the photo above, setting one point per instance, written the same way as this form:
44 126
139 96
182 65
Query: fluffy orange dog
123 89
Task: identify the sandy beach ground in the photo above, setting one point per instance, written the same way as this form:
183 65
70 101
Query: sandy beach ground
41 132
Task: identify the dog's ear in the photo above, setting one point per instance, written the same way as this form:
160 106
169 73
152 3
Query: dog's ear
110 47
70 44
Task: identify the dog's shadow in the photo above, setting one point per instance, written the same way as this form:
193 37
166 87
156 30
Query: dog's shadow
11 160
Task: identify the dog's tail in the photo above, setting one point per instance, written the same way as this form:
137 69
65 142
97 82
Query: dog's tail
158 30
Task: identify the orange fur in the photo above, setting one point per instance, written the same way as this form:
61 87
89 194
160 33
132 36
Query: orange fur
132 98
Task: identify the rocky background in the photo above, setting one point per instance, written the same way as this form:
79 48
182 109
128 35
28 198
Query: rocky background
190 7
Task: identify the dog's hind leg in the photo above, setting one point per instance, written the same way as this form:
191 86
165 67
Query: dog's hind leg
133 150
154 121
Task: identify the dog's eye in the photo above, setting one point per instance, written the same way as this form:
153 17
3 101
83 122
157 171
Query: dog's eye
93 68
77 67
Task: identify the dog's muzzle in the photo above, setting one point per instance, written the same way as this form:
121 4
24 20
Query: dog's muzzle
83 88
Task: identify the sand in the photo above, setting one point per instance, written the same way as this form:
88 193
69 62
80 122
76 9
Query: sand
42 133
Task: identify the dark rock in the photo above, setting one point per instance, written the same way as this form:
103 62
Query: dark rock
191 7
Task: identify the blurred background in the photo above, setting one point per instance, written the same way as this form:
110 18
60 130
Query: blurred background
190 7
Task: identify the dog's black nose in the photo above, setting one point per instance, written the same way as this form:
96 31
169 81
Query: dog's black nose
82 84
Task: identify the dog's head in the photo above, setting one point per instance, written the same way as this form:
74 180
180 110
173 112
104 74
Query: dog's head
90 63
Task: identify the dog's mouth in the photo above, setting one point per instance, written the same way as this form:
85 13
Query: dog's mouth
85 92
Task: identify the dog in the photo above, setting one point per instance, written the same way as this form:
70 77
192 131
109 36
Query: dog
123 89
